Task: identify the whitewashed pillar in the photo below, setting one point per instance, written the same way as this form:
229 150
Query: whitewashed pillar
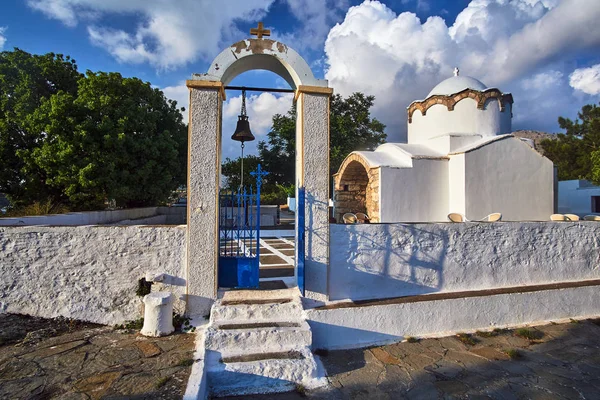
312 172
204 161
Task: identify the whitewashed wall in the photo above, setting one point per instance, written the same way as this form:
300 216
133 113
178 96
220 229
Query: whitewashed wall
132 216
379 324
575 197
465 118
87 272
509 177
391 260
417 194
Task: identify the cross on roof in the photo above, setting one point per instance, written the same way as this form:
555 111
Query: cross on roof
260 31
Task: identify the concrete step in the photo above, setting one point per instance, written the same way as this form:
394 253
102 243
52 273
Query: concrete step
263 373
257 335
281 310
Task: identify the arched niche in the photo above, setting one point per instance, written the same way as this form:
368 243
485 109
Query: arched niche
207 92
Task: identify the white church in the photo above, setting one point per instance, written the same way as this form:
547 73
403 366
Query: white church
460 158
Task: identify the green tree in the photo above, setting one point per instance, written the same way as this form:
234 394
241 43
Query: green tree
576 153
351 128
27 80
115 138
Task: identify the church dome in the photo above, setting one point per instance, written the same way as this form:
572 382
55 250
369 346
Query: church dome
459 106
456 84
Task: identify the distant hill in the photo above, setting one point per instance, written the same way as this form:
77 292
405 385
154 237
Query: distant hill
536 136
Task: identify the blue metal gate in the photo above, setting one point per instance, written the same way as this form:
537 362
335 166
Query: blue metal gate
239 236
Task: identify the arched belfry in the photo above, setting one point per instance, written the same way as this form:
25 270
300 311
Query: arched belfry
207 92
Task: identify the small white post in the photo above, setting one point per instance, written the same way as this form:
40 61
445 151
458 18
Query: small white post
158 314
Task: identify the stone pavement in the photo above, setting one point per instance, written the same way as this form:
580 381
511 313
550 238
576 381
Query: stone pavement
87 361
555 361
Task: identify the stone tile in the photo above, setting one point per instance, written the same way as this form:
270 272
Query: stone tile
96 386
451 388
489 353
384 356
148 349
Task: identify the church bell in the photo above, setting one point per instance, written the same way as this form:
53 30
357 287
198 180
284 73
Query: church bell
242 131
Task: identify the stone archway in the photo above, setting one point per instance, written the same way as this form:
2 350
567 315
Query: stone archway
356 188
207 92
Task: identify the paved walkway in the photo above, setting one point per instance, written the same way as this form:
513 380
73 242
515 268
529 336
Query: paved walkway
88 361
556 361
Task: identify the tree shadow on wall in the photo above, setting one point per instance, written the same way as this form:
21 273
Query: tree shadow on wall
389 260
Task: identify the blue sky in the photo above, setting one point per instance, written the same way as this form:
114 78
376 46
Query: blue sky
546 52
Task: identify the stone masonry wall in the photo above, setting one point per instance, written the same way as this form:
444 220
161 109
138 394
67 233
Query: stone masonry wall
88 272
363 189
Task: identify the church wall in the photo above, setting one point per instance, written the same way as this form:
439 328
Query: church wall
465 118
456 184
509 177
88 272
417 194
375 261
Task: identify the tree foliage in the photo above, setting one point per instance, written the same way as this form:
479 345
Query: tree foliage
91 138
25 82
576 153
351 128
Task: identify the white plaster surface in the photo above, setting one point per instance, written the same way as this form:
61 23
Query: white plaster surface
509 177
158 314
417 194
265 54
575 197
315 157
366 326
83 218
268 375
203 173
89 272
465 118
456 84
374 261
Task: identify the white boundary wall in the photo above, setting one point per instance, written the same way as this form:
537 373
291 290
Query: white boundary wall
375 261
88 272
365 326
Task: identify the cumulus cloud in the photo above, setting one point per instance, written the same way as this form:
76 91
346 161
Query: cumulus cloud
586 80
167 35
261 109
2 37
398 58
181 94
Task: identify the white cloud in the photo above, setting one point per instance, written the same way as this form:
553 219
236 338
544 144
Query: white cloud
181 94
586 80
399 59
2 37
167 35
542 80
261 109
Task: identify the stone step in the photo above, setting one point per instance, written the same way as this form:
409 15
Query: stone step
284 310
262 372
257 335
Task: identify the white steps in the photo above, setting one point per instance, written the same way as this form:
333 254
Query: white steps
259 342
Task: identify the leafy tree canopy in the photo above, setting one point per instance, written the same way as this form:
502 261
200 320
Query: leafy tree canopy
91 138
25 81
351 128
576 153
